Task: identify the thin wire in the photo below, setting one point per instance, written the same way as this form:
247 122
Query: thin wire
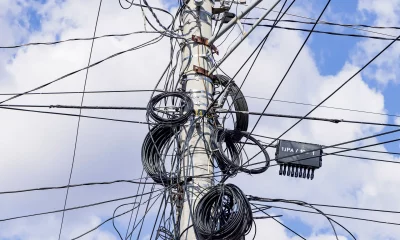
337 108
79 121
279 222
105 91
74 185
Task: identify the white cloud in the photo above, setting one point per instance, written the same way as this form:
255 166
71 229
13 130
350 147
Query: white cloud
36 150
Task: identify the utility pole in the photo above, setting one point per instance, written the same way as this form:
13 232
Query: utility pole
196 63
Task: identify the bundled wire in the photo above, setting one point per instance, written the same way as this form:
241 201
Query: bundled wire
232 162
154 150
171 115
238 100
223 213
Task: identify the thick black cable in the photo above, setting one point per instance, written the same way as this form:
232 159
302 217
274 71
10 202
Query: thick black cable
332 120
79 121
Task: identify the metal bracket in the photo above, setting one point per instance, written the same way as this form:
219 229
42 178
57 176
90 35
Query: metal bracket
204 41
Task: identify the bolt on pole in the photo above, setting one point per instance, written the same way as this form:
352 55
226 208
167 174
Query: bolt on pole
195 137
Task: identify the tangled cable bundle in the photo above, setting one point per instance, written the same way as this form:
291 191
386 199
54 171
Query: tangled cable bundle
223 213
239 102
232 162
171 115
154 150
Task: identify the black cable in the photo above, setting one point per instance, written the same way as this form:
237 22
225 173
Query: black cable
332 120
290 66
223 212
73 185
74 39
79 121
335 215
75 115
153 41
329 23
336 90
359 150
326 32
75 208
288 228
101 91
180 115
337 108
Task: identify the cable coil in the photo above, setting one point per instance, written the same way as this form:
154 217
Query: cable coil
239 102
176 117
154 150
223 213
233 162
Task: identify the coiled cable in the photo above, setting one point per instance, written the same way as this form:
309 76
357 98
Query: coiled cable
239 102
223 213
154 150
232 161
171 115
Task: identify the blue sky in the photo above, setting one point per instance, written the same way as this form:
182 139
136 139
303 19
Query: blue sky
331 52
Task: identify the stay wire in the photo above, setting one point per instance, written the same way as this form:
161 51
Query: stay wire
79 120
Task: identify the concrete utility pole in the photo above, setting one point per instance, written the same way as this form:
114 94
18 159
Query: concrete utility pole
198 59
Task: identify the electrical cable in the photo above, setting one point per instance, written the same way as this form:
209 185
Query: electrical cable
359 150
79 121
223 212
291 65
75 115
322 106
73 185
153 41
75 39
326 32
279 222
336 215
77 207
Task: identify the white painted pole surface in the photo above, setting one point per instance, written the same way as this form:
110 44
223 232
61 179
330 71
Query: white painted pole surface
196 160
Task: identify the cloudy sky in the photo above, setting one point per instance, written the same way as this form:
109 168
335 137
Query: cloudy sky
36 150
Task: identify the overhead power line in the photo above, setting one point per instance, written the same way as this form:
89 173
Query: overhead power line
74 185
328 23
326 32
323 106
361 150
76 39
78 207
332 120
334 215
86 92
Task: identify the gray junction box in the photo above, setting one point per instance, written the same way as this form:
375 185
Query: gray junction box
298 159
